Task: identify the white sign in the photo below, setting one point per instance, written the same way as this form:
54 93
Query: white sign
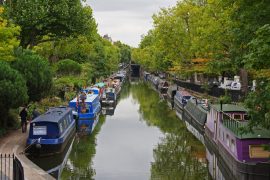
40 130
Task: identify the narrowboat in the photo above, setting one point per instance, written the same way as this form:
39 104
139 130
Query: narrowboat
109 96
86 108
50 132
120 76
195 116
245 154
170 95
180 100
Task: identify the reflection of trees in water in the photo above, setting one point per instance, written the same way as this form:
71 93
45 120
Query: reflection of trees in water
174 159
125 90
79 165
178 155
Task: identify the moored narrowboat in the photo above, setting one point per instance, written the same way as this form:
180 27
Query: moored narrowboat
180 100
244 154
195 116
86 107
50 132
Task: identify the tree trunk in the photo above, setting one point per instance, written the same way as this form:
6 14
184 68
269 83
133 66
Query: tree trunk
244 80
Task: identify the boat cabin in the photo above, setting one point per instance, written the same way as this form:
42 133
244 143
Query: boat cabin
223 127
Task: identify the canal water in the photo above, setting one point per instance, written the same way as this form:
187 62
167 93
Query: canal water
141 139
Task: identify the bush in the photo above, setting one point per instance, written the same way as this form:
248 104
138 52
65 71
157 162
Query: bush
37 73
68 67
13 91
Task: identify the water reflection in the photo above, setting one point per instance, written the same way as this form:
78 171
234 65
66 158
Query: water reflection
142 140
178 154
79 164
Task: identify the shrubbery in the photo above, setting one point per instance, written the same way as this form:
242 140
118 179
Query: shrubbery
37 72
68 67
13 91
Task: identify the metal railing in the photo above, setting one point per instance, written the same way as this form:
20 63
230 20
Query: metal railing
10 167
233 124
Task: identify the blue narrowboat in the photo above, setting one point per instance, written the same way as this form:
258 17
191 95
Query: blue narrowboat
180 100
86 108
50 132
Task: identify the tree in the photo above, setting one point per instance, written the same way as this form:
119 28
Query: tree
8 40
37 73
257 59
68 67
55 19
13 90
125 52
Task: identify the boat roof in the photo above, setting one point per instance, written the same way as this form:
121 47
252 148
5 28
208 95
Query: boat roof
184 93
229 108
53 115
89 98
100 84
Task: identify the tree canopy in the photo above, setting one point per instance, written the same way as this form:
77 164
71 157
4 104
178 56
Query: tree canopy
8 40
54 19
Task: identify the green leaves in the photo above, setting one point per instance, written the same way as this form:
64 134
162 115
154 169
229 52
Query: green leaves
37 73
55 19
8 40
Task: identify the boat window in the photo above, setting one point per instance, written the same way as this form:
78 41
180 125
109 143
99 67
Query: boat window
187 97
258 151
61 127
227 140
64 124
237 116
232 145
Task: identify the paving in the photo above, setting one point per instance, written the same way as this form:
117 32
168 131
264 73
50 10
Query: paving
14 143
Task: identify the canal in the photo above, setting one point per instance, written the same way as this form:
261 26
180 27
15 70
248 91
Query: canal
140 139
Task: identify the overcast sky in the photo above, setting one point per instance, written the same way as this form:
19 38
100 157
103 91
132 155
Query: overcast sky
126 20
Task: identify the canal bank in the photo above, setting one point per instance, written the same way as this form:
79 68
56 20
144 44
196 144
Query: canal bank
14 143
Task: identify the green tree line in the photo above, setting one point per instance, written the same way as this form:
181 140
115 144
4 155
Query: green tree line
225 37
47 46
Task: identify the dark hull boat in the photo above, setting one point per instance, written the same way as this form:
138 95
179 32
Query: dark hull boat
180 100
195 116
51 132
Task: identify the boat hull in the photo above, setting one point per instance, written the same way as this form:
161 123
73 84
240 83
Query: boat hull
48 147
235 169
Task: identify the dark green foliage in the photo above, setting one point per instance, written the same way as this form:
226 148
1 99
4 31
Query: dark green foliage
68 67
37 72
258 103
55 19
258 56
13 90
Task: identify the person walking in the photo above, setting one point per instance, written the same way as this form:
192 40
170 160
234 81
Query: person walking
23 115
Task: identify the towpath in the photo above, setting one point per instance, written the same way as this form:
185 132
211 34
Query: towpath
14 143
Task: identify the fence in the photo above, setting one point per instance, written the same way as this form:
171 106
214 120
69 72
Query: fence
10 167
236 95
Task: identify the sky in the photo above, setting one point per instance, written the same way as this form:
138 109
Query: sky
126 20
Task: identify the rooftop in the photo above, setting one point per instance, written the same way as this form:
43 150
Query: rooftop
228 108
53 115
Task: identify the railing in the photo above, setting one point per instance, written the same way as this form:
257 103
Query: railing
233 124
10 167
